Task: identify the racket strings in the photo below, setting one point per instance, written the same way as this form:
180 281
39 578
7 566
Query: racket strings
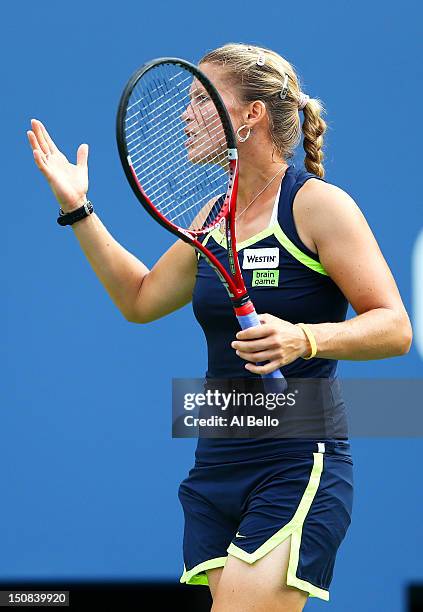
158 150
164 133
178 206
168 129
177 146
154 182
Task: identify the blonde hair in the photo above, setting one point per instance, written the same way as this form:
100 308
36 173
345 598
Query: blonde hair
255 80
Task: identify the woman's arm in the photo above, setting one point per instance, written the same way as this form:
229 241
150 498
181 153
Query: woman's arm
141 295
351 256
330 223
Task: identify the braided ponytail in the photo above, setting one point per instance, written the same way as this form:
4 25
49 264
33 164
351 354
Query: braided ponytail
313 129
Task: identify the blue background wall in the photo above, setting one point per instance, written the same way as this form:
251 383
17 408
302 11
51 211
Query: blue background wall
89 472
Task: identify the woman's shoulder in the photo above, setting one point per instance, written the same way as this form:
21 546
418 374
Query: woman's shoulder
317 197
322 209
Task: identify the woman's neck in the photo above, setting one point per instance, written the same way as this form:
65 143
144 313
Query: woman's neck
258 181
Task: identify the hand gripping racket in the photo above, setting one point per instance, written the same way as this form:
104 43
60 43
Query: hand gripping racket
178 150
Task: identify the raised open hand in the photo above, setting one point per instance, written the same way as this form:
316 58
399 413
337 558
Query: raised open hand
68 182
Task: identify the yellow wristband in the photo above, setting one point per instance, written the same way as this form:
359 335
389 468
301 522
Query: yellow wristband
310 338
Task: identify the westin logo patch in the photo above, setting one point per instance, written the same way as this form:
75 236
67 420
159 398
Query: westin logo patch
260 258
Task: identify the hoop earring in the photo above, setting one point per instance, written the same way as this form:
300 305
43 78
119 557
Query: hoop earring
247 135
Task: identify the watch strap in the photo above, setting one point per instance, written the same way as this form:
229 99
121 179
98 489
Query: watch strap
75 215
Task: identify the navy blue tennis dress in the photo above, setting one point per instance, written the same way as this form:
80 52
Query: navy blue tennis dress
244 496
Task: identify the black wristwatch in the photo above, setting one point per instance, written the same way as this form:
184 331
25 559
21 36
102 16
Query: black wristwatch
76 215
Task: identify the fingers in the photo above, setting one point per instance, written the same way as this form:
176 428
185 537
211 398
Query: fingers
252 346
39 155
39 135
251 333
82 156
34 142
47 138
260 356
267 368
268 325
40 161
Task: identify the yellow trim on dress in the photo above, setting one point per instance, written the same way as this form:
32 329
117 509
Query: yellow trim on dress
197 575
280 236
294 529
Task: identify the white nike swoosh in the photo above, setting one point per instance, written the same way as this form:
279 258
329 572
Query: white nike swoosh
238 535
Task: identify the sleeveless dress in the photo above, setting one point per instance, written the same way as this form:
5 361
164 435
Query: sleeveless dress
244 496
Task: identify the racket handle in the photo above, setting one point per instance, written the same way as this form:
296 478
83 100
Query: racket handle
251 320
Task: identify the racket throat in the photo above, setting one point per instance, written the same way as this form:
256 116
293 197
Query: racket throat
242 305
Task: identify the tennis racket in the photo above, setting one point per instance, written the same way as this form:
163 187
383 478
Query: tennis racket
178 150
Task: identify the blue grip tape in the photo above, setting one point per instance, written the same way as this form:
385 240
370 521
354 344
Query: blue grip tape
252 320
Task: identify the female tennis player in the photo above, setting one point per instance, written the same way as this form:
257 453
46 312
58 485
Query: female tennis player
264 518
